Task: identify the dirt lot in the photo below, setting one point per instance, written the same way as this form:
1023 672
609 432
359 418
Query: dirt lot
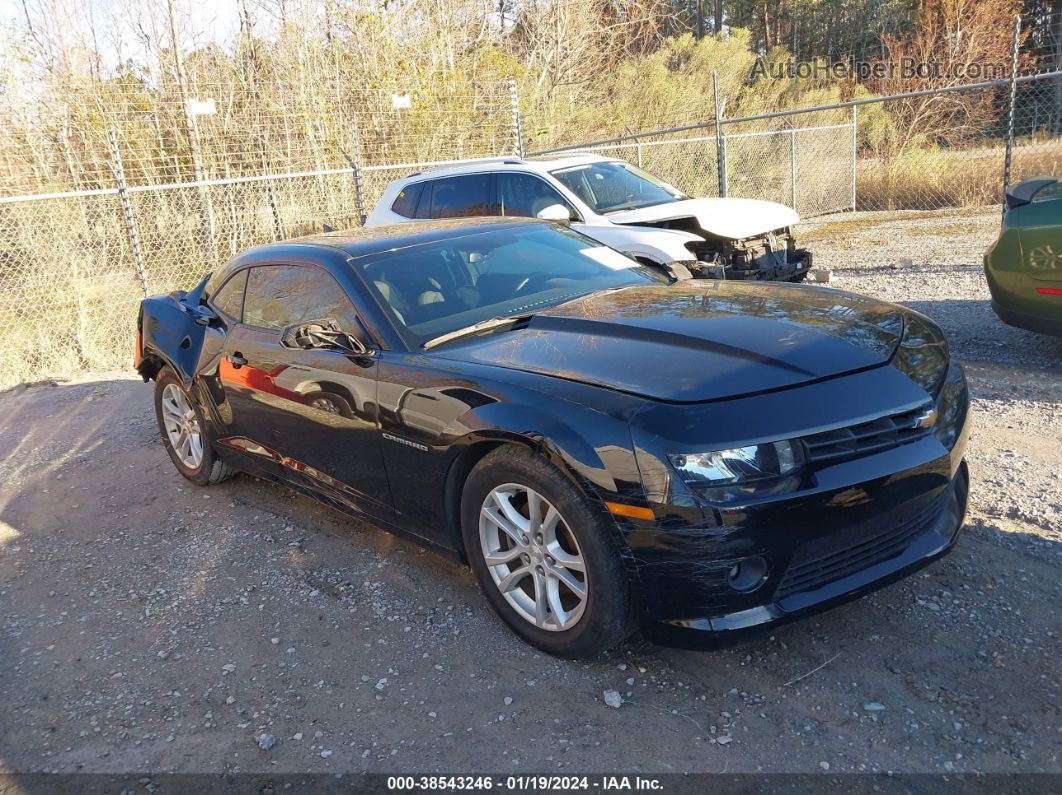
147 625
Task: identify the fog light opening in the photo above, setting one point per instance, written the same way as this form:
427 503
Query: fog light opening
748 574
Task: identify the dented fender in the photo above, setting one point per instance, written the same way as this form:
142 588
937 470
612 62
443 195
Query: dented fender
173 328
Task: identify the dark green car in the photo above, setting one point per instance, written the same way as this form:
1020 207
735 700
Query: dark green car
1024 266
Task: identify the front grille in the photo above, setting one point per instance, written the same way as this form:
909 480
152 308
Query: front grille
847 551
883 433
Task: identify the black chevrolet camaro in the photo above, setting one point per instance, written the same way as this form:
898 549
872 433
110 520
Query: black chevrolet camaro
608 448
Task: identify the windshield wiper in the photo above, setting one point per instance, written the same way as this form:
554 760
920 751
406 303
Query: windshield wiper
483 325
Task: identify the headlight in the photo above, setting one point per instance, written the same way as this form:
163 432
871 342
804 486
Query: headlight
953 405
758 470
922 354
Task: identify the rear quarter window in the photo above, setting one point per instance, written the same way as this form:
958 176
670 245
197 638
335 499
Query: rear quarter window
1048 192
406 203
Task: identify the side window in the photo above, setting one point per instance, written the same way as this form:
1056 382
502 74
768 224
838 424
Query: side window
282 295
460 197
229 299
525 195
406 203
1049 192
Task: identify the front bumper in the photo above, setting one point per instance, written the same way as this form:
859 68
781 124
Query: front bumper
930 534
860 523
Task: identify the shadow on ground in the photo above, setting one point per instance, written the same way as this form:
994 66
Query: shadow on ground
149 625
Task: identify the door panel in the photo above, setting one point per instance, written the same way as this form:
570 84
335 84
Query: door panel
309 416
313 413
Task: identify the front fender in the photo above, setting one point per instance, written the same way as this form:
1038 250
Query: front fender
172 335
662 246
599 457
173 327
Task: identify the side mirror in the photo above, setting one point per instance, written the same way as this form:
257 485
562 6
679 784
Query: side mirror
203 315
555 212
321 334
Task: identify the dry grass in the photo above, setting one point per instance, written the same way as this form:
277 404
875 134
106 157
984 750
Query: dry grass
932 178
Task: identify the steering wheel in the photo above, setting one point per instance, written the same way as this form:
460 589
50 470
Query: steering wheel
535 279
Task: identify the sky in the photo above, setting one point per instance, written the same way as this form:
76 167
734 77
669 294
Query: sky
117 21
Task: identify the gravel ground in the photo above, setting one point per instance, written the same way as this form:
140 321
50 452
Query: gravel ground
147 625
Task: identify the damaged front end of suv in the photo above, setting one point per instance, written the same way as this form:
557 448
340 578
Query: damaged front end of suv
730 238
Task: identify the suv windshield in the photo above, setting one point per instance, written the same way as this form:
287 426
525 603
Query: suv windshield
611 187
434 288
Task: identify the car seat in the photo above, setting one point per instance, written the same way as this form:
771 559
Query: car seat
392 297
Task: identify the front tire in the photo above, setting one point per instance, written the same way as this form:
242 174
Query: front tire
544 556
185 433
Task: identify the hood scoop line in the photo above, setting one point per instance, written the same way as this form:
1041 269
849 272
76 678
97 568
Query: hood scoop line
573 325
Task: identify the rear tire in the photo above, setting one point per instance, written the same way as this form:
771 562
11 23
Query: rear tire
330 403
185 432
558 582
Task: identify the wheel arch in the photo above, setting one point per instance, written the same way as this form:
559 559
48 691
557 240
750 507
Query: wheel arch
311 386
564 449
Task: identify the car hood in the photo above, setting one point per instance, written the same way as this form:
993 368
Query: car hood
697 340
730 218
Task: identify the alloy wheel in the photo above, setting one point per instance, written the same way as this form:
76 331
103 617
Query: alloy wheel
182 426
533 557
325 404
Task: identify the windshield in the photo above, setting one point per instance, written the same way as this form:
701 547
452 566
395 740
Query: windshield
611 187
434 288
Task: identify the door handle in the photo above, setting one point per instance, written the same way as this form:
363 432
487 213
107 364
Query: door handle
236 360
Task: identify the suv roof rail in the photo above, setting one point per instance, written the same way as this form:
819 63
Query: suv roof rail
567 153
512 160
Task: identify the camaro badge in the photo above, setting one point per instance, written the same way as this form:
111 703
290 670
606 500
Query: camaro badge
406 442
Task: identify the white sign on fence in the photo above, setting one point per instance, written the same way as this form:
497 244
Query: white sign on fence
202 107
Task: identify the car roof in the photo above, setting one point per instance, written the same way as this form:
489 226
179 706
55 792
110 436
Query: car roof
366 241
539 164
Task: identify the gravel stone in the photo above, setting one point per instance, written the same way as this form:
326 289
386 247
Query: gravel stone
613 699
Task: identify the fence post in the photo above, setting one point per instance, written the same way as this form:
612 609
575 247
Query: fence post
720 140
118 170
354 161
855 144
1010 111
516 121
793 166
639 146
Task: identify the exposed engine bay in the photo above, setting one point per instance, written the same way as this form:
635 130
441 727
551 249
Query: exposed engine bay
772 256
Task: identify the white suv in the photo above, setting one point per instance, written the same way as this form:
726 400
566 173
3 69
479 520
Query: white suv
615 203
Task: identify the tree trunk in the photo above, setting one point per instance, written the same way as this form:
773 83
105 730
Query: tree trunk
206 205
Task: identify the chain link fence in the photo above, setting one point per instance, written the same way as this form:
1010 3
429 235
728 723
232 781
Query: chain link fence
809 168
132 194
147 199
951 147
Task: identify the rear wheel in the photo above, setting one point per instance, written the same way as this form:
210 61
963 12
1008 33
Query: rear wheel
543 555
185 434
329 402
